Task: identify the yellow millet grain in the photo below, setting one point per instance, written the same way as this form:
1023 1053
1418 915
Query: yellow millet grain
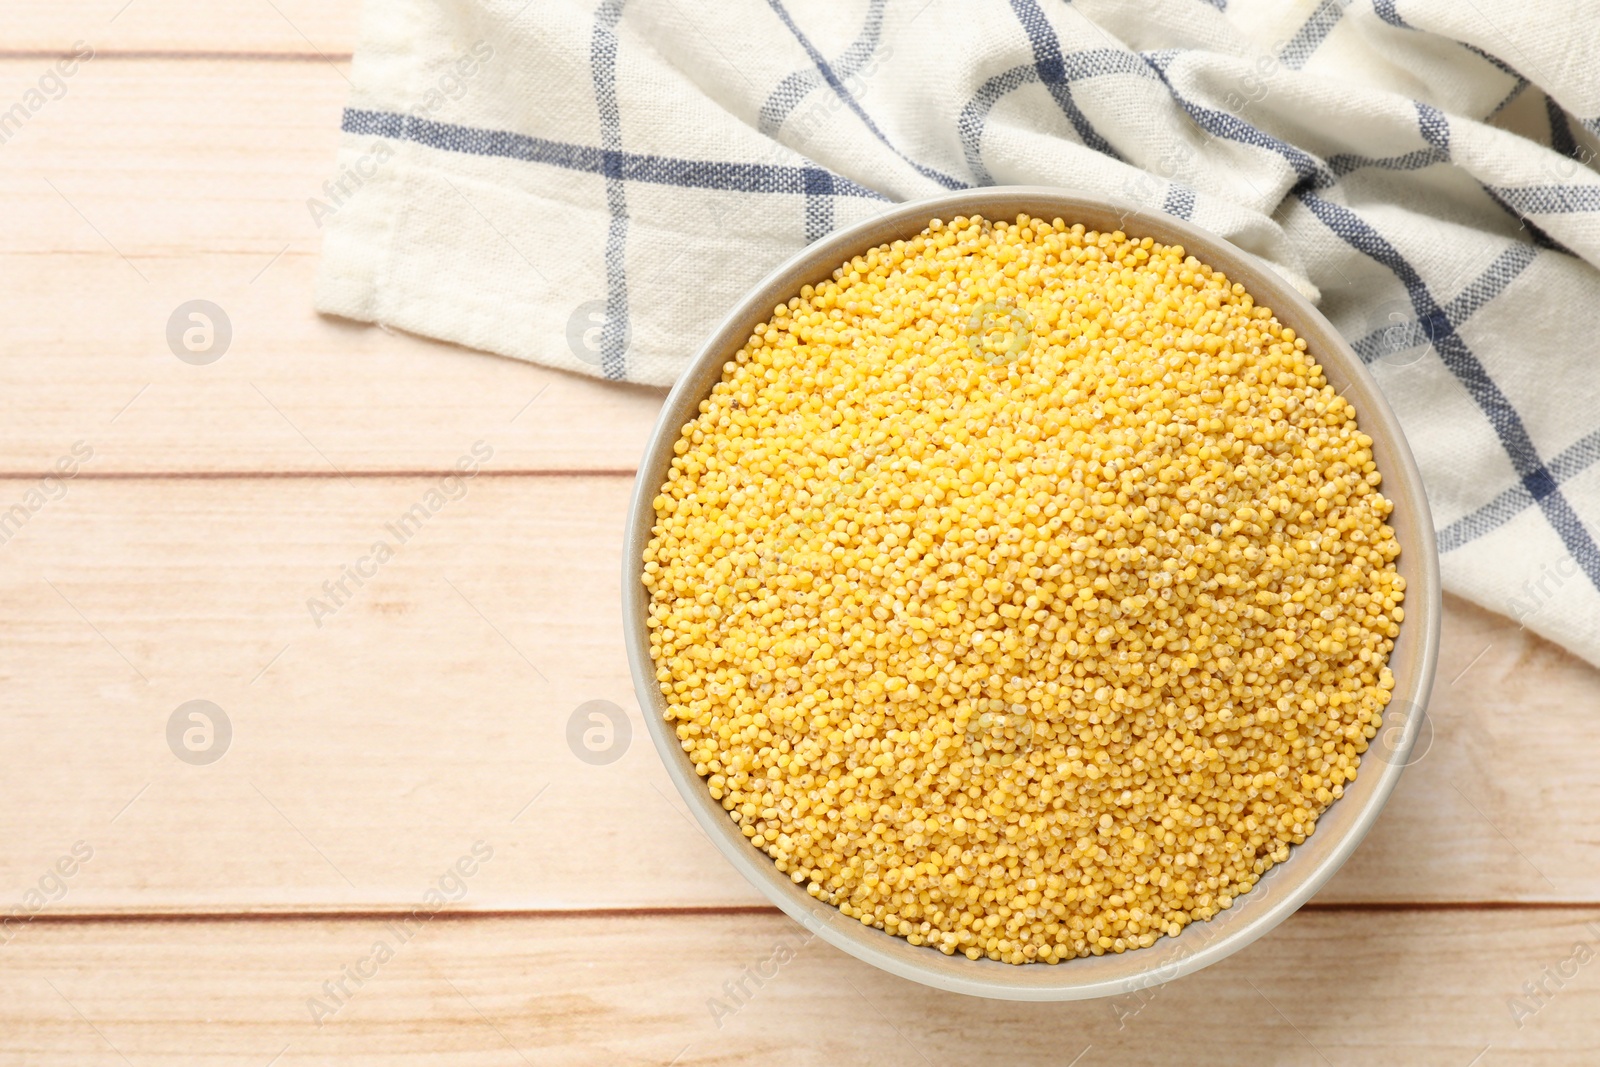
1024 591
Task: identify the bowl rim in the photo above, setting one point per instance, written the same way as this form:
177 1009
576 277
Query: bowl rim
1284 888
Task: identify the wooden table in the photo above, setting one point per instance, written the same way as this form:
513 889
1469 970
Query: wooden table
168 911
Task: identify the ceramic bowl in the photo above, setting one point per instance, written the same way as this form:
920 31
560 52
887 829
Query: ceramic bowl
1339 830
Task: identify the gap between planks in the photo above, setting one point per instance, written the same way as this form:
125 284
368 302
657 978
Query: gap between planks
255 475
694 911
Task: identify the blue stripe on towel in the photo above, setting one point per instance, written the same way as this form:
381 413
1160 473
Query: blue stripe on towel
1052 70
656 170
1312 33
837 85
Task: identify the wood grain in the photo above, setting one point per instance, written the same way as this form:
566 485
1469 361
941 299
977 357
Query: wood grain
179 27
1324 989
428 713
429 707
128 201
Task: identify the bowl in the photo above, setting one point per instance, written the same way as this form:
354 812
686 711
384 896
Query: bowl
1289 884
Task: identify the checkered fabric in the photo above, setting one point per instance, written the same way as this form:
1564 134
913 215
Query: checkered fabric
593 186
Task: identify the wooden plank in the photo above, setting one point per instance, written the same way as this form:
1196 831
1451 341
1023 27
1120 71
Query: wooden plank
84 358
432 705
127 202
157 158
427 710
1324 989
210 203
284 26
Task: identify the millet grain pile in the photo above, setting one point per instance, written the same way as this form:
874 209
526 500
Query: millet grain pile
1024 591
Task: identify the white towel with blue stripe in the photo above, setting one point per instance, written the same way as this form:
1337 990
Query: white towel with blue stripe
592 186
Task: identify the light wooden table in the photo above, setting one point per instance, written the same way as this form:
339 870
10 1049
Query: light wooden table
231 912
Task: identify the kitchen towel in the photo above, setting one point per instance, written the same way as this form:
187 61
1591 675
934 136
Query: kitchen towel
593 185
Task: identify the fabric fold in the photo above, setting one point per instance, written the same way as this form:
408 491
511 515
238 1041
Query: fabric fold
591 186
